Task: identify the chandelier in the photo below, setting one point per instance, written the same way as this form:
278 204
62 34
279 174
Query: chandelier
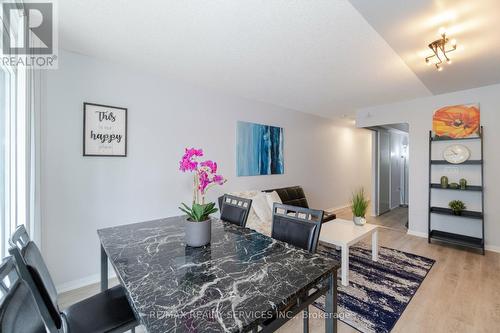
439 48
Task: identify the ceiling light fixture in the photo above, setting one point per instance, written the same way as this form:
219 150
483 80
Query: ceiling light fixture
440 51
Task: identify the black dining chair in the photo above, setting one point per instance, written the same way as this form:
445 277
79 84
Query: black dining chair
234 209
297 226
107 311
18 308
300 227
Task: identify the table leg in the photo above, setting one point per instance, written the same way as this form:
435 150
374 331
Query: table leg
375 245
345 265
331 304
104 269
306 320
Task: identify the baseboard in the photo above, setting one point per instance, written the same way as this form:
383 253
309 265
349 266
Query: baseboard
417 233
492 248
337 208
83 282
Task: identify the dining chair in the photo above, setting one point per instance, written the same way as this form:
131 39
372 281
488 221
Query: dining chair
234 209
18 309
300 227
297 226
107 311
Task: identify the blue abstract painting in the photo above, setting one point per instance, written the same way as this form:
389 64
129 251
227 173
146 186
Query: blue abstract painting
259 149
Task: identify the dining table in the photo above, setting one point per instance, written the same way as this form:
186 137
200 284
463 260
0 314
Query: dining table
242 281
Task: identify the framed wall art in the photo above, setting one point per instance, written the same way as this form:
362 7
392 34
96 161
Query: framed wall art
457 122
104 130
259 149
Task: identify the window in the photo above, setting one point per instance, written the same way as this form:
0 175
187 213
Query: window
17 155
4 82
9 158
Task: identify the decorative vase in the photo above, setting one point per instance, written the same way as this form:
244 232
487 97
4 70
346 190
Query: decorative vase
463 184
444 182
198 233
359 220
454 186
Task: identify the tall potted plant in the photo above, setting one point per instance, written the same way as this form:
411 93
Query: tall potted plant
198 222
359 206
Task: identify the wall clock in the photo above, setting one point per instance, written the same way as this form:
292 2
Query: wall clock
456 154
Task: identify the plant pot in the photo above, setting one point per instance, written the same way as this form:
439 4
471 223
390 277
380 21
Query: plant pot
359 220
457 212
198 233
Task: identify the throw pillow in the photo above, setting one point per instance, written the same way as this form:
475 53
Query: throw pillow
272 198
261 207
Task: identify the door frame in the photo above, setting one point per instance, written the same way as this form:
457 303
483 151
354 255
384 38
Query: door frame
375 167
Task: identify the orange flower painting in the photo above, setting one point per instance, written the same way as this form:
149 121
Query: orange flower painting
456 122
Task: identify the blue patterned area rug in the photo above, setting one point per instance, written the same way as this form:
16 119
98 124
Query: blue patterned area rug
378 292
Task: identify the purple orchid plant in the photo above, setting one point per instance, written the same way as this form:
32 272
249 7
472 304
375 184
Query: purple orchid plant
205 177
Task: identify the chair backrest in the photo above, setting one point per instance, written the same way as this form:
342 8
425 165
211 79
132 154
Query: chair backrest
20 237
19 312
293 196
297 226
235 209
39 272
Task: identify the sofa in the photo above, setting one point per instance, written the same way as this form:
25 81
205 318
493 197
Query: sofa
295 196
260 215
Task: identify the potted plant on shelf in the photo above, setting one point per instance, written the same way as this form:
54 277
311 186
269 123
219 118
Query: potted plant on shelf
198 223
359 205
457 207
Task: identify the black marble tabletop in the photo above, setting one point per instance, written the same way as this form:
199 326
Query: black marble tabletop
241 279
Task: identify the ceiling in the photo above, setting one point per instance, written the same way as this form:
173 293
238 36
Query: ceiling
320 56
326 57
409 25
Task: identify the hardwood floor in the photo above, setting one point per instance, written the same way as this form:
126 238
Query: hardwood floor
461 293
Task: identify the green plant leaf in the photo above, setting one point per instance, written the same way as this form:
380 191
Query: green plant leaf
457 205
186 207
185 211
213 210
198 212
359 203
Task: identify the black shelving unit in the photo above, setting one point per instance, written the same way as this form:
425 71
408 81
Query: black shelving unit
468 188
449 237
469 162
457 239
466 213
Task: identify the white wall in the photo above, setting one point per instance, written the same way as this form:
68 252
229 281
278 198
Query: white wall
82 194
418 113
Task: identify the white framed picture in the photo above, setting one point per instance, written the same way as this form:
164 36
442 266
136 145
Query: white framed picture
104 130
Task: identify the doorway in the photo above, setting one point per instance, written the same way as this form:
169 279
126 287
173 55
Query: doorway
390 174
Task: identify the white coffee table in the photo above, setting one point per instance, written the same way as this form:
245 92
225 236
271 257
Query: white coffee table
343 234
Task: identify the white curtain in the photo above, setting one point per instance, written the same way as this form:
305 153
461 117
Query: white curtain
19 115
